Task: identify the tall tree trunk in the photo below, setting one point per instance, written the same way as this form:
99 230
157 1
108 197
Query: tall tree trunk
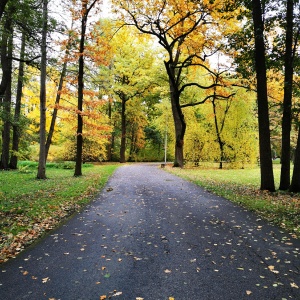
111 138
287 101
123 132
79 139
2 7
42 161
6 129
266 166
218 132
6 54
295 184
5 61
180 126
13 164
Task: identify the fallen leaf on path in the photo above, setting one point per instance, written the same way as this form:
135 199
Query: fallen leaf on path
294 285
167 271
102 297
248 293
139 298
44 280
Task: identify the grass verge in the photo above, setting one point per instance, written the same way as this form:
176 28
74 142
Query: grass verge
30 207
242 187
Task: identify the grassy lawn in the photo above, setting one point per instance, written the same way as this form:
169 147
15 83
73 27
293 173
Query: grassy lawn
242 187
31 207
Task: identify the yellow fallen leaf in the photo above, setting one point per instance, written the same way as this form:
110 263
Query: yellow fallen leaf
44 280
248 293
171 298
102 297
271 268
139 298
294 285
167 271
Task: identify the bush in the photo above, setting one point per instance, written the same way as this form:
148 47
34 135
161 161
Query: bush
66 165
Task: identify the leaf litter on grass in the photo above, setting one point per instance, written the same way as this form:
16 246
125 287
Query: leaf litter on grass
242 187
34 207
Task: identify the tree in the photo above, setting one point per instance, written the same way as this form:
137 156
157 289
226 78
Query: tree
267 175
13 164
131 64
2 7
6 85
184 30
58 94
41 174
290 50
84 13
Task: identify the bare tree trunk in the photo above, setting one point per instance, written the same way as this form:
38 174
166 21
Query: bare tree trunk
287 101
123 132
2 7
219 138
266 166
16 126
79 140
111 138
295 184
179 122
6 129
7 66
42 161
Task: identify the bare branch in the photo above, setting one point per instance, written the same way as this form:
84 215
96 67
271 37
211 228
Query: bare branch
217 97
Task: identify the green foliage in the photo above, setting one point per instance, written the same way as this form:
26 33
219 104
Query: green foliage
67 165
239 133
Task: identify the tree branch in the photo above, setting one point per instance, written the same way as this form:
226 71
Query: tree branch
218 97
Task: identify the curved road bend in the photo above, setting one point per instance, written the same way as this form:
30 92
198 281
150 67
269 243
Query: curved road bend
151 235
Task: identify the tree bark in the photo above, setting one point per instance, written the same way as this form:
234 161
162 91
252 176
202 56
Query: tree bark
110 145
287 101
295 184
6 128
79 139
7 40
2 7
42 161
5 61
123 131
178 116
266 166
13 164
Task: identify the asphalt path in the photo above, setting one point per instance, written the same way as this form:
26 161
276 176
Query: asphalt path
151 235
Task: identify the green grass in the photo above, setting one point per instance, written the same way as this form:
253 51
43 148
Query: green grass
242 187
30 207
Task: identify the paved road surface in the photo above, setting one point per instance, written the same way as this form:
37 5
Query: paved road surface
153 236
